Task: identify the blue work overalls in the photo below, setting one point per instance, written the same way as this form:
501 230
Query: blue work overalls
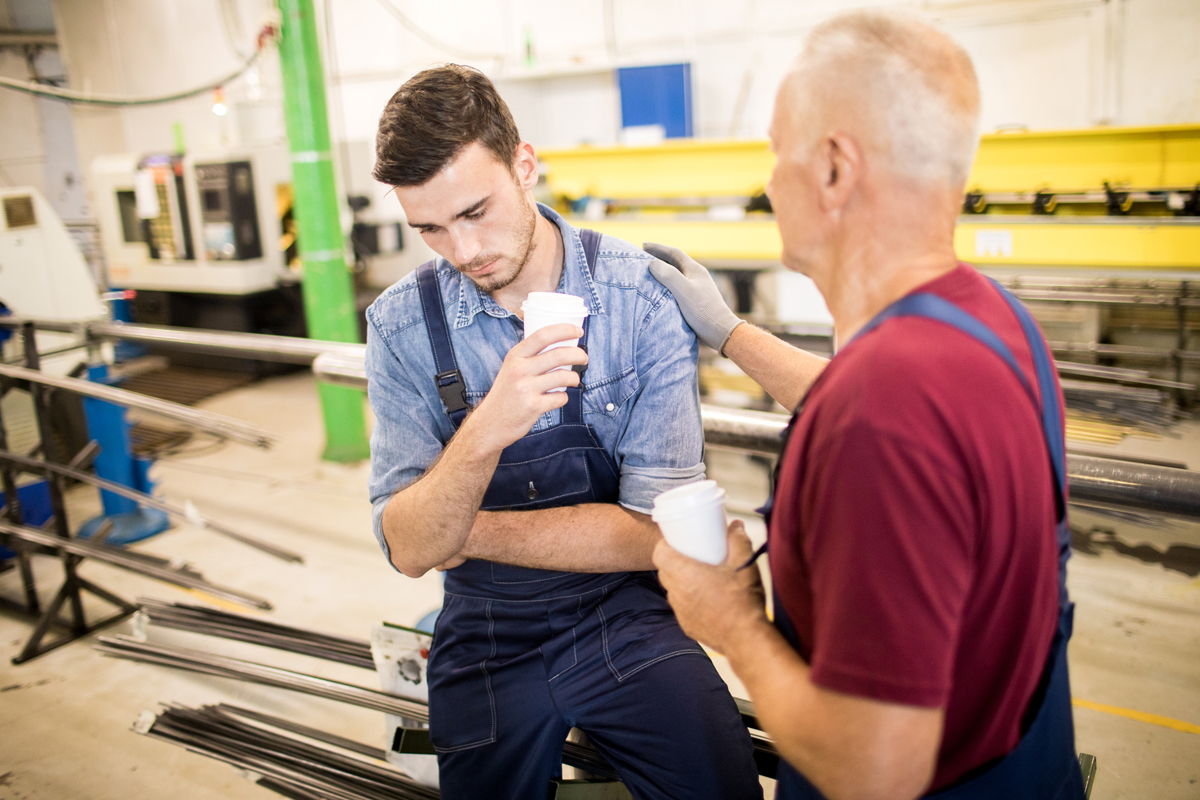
1043 765
520 656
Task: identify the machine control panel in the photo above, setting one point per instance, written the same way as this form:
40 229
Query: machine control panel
228 212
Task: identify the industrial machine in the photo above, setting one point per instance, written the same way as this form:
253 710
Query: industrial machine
42 273
1040 208
193 223
204 240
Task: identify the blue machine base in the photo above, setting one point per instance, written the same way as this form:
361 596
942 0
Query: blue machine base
35 505
128 526
428 621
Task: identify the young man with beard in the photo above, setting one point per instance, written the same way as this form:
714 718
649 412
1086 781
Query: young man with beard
534 501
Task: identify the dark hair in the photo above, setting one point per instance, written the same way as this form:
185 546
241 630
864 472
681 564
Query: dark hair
433 117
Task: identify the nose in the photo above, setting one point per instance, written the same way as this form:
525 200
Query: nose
465 244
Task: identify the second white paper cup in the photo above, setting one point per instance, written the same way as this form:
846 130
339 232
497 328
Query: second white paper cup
692 520
553 308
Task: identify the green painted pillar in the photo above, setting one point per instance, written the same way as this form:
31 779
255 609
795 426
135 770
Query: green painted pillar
328 288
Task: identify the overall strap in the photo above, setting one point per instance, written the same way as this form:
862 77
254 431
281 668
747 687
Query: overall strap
573 411
938 308
1053 428
448 379
1045 371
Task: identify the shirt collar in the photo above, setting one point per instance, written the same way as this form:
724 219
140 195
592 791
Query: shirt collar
576 279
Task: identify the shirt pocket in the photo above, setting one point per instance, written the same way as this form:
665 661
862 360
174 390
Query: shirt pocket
608 396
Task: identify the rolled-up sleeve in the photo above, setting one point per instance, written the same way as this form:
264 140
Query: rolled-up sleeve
405 441
663 443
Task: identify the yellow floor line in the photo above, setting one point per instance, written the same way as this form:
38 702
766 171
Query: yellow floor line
1140 716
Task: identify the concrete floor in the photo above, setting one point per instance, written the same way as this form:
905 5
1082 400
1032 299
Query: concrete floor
65 717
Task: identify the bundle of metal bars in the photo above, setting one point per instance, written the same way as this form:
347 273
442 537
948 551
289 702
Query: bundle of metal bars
291 759
1147 408
346 650
210 621
237 669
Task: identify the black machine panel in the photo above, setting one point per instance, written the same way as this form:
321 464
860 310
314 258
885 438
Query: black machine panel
228 211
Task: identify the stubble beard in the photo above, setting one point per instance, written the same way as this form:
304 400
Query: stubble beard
524 230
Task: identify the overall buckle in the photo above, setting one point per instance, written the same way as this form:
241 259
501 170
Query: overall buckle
579 369
452 390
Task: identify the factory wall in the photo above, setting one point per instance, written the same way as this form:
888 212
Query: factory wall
1042 64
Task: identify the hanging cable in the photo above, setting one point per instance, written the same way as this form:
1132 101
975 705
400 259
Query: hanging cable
265 37
420 33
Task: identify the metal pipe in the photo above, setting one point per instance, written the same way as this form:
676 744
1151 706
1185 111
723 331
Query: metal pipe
1160 489
62 326
119 558
1118 375
186 514
748 431
738 429
216 424
260 346
341 369
12 37
1122 483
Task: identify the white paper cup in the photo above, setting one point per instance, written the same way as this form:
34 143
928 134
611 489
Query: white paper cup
553 308
692 520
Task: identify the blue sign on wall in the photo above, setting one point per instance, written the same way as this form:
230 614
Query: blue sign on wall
659 95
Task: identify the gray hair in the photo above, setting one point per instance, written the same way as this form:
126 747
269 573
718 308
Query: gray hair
905 86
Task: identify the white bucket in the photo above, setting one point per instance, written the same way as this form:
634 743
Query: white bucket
692 520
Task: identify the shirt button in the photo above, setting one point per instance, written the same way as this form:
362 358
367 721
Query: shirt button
609 407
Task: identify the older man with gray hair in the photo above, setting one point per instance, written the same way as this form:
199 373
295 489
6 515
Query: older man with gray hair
918 534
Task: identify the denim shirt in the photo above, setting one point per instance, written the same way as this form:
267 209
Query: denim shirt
640 392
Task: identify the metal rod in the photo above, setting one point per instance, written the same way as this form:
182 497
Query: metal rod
284 754
1151 488
1124 351
225 427
188 515
342 369
209 663
750 431
119 558
223 624
260 346
1119 375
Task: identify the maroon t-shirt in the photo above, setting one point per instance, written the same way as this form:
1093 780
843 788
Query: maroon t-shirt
913 540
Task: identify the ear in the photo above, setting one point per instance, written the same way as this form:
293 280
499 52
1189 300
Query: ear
839 162
525 165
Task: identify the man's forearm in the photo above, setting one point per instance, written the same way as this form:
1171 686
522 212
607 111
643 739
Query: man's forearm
851 748
594 537
784 371
428 522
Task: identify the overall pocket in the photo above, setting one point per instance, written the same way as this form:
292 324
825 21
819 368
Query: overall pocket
462 705
556 479
638 628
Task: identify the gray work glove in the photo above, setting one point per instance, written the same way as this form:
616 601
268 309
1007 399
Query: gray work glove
696 292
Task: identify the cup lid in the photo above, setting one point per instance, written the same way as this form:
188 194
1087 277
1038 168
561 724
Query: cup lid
555 303
682 499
